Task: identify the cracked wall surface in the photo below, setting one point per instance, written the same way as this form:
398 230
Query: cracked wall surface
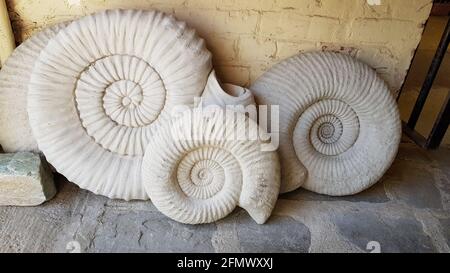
248 37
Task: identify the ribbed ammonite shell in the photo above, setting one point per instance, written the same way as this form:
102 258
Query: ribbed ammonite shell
15 74
103 86
339 124
200 166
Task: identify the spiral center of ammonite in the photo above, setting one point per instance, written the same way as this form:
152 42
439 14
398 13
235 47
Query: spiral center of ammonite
123 101
133 98
204 175
326 130
330 126
117 98
127 93
200 177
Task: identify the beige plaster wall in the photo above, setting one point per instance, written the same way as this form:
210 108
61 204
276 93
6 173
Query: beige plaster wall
7 43
249 36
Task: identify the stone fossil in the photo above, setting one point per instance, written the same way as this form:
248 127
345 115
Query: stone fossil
225 94
102 87
15 133
200 166
339 124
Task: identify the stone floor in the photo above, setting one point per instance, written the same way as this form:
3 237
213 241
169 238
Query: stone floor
408 211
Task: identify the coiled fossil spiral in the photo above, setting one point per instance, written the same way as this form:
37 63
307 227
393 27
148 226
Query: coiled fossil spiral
102 87
339 124
200 166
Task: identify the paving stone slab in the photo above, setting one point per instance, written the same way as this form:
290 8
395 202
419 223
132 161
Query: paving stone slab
413 185
393 234
279 234
404 218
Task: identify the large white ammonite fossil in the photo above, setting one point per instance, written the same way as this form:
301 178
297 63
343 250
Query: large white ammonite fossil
15 75
103 86
200 166
339 124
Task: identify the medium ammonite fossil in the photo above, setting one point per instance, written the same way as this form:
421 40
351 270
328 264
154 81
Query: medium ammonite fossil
200 166
103 86
15 76
339 124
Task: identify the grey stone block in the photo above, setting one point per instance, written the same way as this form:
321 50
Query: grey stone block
445 226
149 231
279 234
25 180
413 185
394 234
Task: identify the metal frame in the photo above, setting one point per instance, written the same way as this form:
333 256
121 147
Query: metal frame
441 125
